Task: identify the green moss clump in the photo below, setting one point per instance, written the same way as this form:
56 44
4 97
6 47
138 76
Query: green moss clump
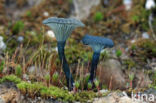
98 16
130 63
38 89
84 96
1 66
17 27
139 15
118 53
145 49
11 78
18 70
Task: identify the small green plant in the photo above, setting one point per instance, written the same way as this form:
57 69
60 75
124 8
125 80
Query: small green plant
131 77
87 78
77 85
89 85
18 70
17 27
130 63
133 47
47 78
98 16
28 13
55 76
22 87
135 18
118 53
70 1
11 78
97 82
2 63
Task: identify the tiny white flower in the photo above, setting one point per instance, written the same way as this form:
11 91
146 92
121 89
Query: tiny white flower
149 4
50 33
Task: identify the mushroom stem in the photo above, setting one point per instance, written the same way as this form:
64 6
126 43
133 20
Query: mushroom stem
95 60
69 78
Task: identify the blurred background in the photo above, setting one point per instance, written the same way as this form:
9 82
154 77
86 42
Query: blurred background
131 24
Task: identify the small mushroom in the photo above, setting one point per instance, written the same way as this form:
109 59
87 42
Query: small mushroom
97 44
62 28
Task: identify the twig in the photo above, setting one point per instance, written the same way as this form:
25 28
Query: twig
150 19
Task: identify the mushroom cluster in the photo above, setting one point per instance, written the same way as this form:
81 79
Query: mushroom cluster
62 28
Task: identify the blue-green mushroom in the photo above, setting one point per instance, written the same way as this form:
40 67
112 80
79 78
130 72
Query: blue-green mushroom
62 28
97 44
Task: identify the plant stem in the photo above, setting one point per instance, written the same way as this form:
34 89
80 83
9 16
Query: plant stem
63 60
95 60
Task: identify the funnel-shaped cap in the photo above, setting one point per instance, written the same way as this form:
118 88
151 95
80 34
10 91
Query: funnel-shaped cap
62 27
97 43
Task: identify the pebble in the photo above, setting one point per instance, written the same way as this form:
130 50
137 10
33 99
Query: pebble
2 44
103 91
20 39
145 35
128 4
50 33
133 41
46 14
149 4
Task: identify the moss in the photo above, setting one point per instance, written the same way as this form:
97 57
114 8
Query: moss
130 63
84 96
145 49
84 55
17 27
118 53
18 70
2 63
139 15
38 89
98 16
11 78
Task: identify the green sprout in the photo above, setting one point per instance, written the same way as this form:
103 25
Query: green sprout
47 78
55 76
2 66
118 53
98 16
89 85
96 82
18 70
87 78
131 77
28 13
77 84
17 27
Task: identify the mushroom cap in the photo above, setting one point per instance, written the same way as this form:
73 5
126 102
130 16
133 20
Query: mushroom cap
57 20
62 27
97 43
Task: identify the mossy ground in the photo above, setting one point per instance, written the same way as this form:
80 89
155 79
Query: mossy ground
39 89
